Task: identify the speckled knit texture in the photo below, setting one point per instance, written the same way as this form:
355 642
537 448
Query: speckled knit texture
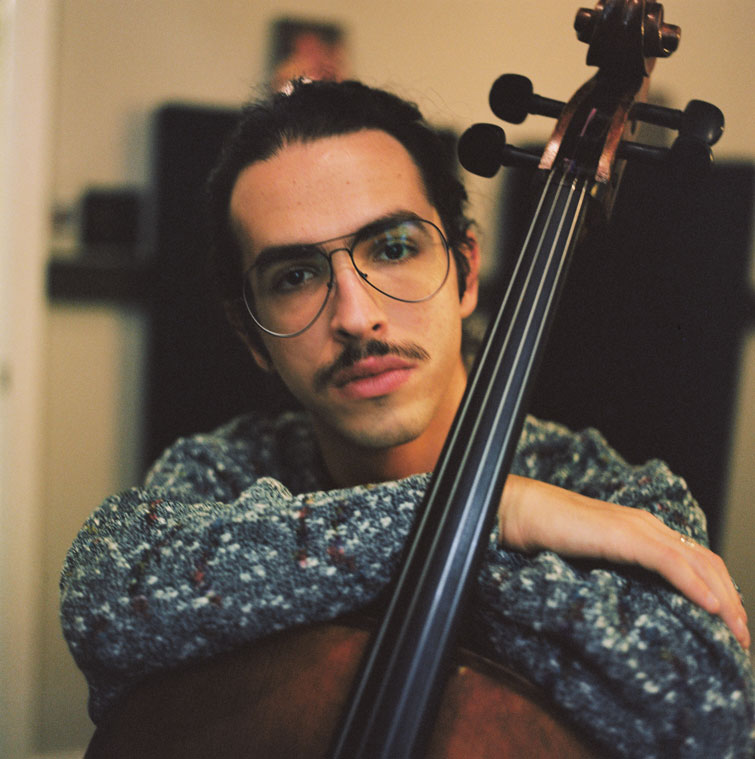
235 535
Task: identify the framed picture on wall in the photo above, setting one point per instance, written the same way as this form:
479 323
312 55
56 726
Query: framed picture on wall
307 49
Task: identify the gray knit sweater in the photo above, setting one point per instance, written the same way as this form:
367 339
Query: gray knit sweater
236 534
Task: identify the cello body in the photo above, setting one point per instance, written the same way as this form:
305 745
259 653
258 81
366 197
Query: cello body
281 698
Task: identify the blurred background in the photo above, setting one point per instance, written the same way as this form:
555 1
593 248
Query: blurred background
93 94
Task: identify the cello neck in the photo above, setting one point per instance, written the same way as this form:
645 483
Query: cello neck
401 676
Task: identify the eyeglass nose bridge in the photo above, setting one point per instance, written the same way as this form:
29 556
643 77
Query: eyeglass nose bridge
342 249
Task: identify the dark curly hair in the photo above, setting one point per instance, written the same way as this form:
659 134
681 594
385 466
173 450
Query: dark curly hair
314 110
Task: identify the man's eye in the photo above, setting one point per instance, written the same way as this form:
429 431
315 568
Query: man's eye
293 279
395 251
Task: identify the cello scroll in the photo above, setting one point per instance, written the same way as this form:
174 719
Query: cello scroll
624 38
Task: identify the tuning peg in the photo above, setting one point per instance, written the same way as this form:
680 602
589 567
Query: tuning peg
702 121
689 159
638 151
698 121
483 150
512 98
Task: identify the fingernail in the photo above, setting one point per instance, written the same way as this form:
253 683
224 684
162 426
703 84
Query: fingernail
742 633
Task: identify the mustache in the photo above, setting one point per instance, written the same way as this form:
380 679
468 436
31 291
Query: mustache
353 353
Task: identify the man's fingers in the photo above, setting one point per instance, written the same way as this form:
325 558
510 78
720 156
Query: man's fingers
535 515
714 573
702 576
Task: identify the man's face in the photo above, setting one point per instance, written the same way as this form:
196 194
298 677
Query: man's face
373 372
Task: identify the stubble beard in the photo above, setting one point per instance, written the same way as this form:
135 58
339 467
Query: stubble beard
378 427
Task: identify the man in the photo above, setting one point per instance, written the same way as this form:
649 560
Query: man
347 265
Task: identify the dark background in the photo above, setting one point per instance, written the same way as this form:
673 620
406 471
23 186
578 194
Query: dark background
645 345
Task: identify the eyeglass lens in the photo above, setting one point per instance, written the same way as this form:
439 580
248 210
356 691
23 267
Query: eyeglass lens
286 290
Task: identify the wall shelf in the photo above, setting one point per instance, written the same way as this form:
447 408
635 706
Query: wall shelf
94 278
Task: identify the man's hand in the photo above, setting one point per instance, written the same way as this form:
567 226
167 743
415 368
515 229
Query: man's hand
534 515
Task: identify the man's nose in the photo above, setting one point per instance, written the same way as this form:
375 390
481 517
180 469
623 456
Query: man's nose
356 308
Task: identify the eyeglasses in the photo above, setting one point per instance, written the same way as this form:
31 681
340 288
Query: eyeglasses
287 287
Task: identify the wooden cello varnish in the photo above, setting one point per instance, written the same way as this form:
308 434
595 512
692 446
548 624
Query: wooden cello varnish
281 698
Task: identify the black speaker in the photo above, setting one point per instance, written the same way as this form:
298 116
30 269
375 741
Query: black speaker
648 334
200 374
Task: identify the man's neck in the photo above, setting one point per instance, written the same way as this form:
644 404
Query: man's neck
350 465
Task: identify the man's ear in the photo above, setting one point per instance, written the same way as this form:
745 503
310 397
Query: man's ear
235 312
471 251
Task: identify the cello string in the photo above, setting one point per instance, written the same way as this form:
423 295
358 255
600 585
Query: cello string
546 233
526 294
475 379
526 307
404 620
540 299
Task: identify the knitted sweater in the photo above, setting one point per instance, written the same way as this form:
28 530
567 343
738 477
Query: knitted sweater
235 535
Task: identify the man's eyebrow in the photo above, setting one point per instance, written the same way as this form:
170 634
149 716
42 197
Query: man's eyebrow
278 253
386 221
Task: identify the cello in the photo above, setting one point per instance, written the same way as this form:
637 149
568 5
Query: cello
399 689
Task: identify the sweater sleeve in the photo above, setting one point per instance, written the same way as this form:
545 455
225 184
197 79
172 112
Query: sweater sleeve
637 666
209 556
165 574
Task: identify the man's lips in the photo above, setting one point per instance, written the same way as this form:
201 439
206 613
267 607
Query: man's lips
369 367
359 364
373 376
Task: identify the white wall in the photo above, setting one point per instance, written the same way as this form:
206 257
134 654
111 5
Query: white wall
25 105
115 61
